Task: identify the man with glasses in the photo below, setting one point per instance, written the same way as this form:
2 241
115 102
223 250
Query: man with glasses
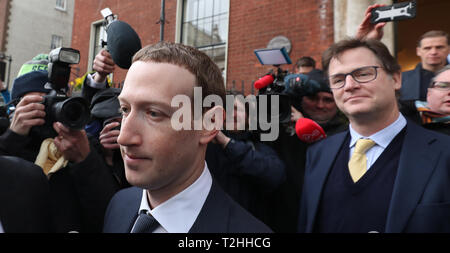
385 174
433 114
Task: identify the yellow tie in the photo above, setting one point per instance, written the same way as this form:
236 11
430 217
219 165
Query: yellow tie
358 162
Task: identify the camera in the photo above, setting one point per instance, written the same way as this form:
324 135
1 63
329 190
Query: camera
73 112
289 87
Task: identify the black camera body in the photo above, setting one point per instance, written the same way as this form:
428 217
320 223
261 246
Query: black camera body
72 112
277 87
291 88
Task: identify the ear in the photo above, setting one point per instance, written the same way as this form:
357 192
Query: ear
212 124
397 77
418 53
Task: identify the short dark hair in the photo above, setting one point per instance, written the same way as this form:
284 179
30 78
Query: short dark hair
305 61
433 34
389 63
207 74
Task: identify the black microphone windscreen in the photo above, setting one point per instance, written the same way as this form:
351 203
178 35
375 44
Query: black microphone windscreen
123 43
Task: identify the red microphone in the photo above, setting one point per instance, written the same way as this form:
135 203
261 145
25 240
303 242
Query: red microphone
264 81
309 131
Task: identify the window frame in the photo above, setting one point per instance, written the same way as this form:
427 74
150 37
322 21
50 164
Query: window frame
59 7
56 38
182 4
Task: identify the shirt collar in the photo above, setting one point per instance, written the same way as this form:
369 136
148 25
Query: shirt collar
178 214
382 137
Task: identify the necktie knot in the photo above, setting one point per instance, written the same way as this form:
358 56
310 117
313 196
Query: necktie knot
145 223
362 145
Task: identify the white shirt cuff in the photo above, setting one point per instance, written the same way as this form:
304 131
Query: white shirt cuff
92 83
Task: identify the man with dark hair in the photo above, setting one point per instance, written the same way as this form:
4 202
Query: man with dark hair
385 174
174 191
318 104
304 65
432 48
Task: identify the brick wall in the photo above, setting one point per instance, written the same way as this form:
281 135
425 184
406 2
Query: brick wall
4 15
253 23
142 15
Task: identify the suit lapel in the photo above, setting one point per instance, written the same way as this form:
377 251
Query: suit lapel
322 164
417 162
129 210
215 213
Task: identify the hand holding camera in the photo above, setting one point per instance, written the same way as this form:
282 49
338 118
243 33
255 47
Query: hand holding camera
369 30
73 144
29 112
377 15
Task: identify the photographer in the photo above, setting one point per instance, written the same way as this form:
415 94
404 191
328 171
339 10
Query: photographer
80 183
317 103
247 169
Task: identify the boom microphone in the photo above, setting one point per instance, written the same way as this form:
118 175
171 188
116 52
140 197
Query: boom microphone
309 131
264 81
123 43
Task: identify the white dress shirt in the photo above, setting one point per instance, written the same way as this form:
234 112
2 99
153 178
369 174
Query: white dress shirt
382 139
178 214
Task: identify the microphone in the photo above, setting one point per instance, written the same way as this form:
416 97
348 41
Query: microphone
264 81
123 43
309 131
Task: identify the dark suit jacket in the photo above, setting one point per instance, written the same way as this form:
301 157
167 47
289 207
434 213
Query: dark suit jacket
219 214
421 196
411 84
24 197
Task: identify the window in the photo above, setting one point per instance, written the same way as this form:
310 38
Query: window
100 35
205 26
61 5
56 42
97 36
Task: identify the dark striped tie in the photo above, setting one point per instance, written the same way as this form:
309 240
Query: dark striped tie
145 223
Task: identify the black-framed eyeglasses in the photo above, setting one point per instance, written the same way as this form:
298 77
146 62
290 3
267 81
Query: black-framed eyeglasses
360 75
440 85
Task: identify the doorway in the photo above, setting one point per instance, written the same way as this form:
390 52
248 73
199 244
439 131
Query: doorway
430 15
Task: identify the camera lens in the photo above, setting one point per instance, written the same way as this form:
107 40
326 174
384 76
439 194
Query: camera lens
73 112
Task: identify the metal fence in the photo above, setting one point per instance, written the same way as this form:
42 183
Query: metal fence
241 87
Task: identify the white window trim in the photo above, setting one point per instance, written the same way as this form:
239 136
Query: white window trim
91 44
61 8
179 22
54 36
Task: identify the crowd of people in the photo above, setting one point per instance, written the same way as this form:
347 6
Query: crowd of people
383 166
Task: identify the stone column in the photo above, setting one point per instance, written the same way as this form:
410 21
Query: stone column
348 14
